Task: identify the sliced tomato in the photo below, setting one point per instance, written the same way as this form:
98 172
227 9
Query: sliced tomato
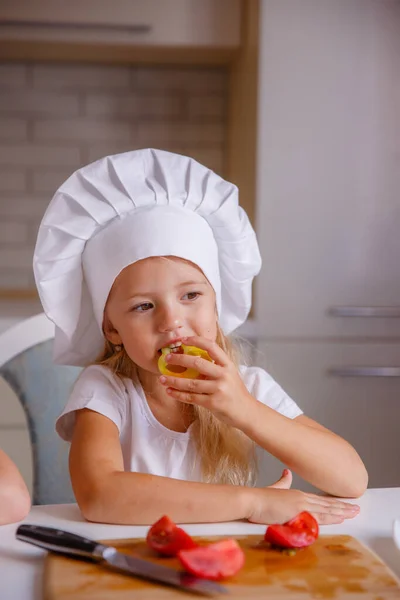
304 521
299 532
215 561
166 538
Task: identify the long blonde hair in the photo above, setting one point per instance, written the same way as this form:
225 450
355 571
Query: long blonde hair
227 454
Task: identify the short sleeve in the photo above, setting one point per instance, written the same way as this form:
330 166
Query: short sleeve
266 390
97 389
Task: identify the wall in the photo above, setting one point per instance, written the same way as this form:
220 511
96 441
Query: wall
55 118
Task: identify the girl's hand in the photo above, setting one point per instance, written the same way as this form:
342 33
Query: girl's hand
219 388
271 505
285 482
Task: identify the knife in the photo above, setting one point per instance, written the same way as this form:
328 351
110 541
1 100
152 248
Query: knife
57 540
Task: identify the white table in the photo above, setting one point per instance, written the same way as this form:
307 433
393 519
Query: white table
21 565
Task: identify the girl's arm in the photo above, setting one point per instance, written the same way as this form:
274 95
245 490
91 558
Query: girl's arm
315 453
319 456
15 501
107 494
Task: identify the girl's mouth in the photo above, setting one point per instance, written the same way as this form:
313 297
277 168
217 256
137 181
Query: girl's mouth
175 347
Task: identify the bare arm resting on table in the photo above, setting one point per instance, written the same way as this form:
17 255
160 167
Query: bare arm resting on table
107 494
15 501
319 456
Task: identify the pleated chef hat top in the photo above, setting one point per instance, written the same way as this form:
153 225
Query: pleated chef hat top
128 207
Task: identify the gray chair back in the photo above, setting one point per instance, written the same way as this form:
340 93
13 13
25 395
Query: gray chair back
43 389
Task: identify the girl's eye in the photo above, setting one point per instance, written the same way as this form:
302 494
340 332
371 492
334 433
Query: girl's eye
143 307
192 295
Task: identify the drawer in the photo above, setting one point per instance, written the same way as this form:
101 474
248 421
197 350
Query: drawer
362 408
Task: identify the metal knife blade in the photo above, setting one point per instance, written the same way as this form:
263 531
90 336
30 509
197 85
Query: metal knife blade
148 570
64 542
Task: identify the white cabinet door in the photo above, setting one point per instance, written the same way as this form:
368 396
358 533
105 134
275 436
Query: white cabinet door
364 410
328 201
145 22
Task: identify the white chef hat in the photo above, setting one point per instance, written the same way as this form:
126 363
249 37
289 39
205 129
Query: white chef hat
131 206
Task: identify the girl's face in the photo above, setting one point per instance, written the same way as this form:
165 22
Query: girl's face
156 302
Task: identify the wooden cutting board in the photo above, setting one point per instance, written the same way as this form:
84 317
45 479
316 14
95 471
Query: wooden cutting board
334 567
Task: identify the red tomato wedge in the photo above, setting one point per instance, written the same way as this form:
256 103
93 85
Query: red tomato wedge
215 561
299 532
166 538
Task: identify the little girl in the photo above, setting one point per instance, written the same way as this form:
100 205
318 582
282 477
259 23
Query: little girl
145 253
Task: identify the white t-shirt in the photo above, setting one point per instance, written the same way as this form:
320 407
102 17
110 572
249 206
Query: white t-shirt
148 446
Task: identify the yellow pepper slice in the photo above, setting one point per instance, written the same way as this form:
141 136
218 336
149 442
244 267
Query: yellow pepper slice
177 370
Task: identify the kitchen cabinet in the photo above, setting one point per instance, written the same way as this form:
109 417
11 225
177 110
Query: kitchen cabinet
328 168
178 23
328 216
331 382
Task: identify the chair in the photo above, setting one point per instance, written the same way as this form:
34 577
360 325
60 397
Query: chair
42 388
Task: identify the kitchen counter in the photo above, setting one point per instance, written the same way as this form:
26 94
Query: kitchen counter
21 565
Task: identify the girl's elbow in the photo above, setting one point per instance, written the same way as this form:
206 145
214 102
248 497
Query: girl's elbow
89 504
358 486
96 498
95 504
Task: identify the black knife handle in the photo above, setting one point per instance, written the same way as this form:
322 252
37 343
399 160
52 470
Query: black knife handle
57 540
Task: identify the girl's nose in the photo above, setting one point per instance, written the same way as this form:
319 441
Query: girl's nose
169 320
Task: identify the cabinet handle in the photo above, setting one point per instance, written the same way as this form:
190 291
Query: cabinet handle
365 371
136 28
365 311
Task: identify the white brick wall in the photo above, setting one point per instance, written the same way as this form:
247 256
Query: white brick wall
45 180
134 104
13 129
33 103
12 180
20 208
81 130
55 118
198 134
38 155
80 77
13 232
207 106
189 79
